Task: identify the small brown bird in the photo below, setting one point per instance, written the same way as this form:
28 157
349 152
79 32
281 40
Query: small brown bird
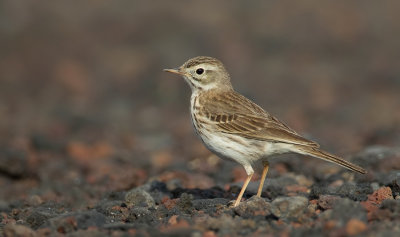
235 128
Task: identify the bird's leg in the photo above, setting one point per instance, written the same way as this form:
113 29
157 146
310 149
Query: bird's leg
246 182
264 174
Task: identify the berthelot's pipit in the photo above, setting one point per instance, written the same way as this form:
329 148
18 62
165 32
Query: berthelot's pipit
235 128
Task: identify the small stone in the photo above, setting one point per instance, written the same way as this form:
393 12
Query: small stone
319 189
169 203
327 201
205 204
357 192
139 197
173 220
329 225
141 215
224 224
13 163
15 230
273 186
297 189
185 203
209 233
35 200
379 215
388 178
289 207
373 156
91 218
392 205
355 226
37 218
44 232
255 206
381 194
344 210
303 180
116 209
376 198
180 228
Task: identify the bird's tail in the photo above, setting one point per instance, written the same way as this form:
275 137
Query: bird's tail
316 152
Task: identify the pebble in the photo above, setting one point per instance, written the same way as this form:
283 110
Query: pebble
355 226
15 230
289 207
255 206
327 201
344 210
139 197
13 163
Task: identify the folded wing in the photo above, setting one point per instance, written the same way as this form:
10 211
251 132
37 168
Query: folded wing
235 114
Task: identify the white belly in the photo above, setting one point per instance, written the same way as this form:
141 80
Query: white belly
240 149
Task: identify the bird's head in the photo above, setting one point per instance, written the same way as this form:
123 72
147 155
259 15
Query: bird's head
204 73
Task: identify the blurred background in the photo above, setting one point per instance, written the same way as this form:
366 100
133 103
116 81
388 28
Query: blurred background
84 100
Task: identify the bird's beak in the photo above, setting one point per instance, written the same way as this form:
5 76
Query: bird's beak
175 71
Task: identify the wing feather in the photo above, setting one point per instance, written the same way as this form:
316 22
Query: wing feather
232 113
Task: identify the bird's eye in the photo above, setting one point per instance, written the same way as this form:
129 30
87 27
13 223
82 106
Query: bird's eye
199 71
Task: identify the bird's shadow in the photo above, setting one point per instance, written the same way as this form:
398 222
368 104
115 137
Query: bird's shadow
198 193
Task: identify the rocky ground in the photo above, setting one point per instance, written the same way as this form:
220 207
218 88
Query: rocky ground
96 140
298 200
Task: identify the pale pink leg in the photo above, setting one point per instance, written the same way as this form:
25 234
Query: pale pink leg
242 191
264 174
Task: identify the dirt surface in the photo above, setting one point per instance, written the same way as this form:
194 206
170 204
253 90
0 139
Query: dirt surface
96 140
187 202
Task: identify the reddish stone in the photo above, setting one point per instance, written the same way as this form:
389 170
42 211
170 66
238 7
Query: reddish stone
355 226
173 220
164 199
209 234
181 224
379 195
169 203
330 225
175 223
374 200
